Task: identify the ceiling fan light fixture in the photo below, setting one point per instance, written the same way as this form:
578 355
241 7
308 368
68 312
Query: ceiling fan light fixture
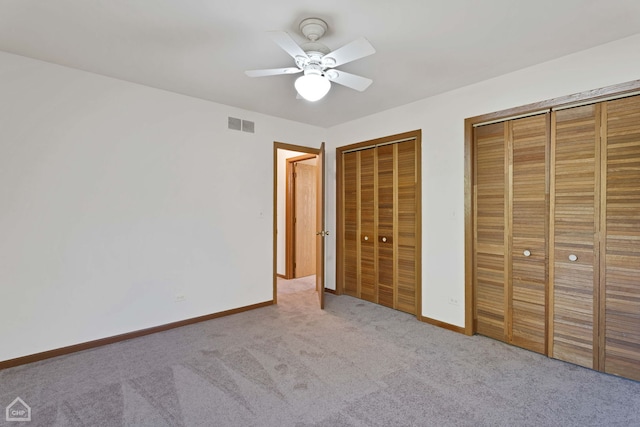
317 61
312 87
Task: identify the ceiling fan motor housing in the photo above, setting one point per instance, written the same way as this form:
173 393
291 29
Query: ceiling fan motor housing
313 57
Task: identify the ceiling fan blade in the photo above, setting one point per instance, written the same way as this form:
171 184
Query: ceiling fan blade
350 52
349 80
289 45
272 72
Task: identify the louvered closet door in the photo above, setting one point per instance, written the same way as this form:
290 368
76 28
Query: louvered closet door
621 228
575 206
510 270
386 213
351 209
367 215
406 230
489 238
567 182
527 293
380 214
359 224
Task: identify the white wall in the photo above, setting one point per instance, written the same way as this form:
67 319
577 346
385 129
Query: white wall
441 119
115 198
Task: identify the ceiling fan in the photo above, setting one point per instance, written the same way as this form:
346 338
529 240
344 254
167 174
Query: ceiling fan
317 62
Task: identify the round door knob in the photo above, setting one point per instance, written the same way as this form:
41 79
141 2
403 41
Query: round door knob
527 252
366 237
384 239
573 257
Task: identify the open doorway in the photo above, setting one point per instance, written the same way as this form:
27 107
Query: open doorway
298 215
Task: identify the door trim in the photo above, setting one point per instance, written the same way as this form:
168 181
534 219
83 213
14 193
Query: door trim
320 224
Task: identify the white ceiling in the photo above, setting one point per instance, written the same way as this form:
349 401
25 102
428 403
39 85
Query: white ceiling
200 48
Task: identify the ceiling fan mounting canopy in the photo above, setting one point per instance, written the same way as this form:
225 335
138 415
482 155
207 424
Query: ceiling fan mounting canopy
316 60
313 28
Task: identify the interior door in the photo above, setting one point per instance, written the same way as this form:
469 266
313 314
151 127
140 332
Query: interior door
321 233
305 224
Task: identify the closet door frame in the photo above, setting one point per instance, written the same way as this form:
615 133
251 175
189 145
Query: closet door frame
582 98
415 135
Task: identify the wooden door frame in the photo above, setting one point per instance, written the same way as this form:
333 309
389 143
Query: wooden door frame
391 139
290 209
582 98
291 147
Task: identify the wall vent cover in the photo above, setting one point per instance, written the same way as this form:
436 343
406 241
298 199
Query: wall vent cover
248 126
235 124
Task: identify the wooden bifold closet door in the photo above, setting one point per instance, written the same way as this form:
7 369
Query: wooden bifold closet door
596 222
510 270
620 274
575 212
556 234
489 231
380 203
